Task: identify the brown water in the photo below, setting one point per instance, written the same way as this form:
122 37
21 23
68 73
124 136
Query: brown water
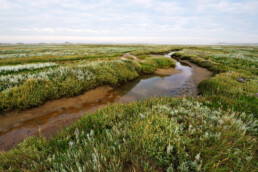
57 114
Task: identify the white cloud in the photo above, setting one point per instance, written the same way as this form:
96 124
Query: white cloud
225 6
53 30
199 20
79 39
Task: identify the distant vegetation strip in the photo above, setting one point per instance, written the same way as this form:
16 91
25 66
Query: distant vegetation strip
58 53
223 59
21 67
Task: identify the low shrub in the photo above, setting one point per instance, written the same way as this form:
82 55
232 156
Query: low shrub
32 93
149 65
163 62
161 134
238 91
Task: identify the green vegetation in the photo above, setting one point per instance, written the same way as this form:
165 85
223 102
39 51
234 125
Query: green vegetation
32 89
154 135
232 91
235 85
68 53
223 59
149 65
216 131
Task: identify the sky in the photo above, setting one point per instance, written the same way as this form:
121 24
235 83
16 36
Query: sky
129 21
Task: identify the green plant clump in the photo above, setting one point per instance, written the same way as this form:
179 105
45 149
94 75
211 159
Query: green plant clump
149 65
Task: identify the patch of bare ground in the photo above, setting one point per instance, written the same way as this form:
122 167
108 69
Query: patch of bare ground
166 72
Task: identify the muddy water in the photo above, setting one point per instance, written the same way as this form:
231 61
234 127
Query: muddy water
57 114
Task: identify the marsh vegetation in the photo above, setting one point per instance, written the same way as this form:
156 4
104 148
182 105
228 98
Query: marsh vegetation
214 131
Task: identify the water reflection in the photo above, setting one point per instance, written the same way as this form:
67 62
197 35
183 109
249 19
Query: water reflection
179 84
57 114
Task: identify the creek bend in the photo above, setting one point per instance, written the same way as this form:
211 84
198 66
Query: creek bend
58 114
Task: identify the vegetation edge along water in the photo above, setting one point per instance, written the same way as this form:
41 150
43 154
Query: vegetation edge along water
230 87
70 81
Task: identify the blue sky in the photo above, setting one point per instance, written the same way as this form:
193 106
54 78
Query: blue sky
129 21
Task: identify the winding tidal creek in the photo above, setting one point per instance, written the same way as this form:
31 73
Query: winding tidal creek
55 115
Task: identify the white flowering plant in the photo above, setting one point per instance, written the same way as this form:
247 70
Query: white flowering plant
161 133
22 67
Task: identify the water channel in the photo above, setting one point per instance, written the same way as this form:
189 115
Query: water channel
57 114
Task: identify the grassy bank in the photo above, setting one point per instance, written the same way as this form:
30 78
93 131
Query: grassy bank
27 90
160 134
235 84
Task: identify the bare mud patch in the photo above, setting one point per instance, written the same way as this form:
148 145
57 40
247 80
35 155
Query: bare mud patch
167 72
